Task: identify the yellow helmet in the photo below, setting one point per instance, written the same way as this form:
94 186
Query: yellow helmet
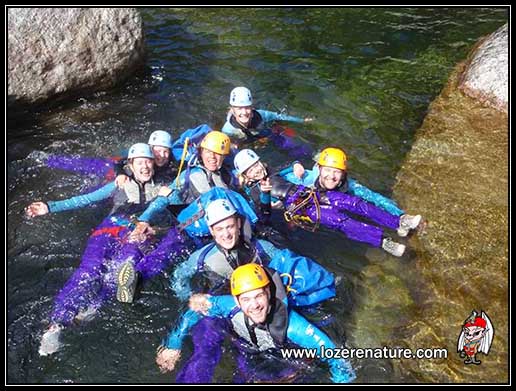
217 142
248 277
333 157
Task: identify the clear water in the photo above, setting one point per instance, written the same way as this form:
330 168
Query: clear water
367 75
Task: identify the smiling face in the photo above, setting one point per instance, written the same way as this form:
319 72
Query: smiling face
161 155
255 304
143 169
256 172
211 160
242 114
226 233
330 178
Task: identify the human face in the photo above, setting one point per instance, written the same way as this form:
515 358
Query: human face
226 232
329 177
242 114
256 172
143 169
255 304
211 160
161 155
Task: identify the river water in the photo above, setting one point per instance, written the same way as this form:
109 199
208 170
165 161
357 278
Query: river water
367 76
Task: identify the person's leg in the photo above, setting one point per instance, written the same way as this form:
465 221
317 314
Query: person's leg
81 165
207 336
332 218
81 290
357 205
84 292
169 250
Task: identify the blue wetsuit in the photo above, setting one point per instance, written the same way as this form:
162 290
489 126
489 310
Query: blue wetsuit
94 281
290 329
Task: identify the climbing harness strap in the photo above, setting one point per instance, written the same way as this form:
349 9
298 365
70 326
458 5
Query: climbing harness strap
301 203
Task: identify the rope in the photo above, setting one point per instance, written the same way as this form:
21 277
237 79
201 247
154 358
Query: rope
183 157
304 222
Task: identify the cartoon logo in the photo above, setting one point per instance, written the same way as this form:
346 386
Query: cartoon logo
476 337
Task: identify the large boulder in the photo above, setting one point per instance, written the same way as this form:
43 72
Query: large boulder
486 75
55 53
457 176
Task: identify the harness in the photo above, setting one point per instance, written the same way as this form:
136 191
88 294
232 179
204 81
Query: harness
302 201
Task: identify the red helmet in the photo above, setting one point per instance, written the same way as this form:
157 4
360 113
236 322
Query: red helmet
478 322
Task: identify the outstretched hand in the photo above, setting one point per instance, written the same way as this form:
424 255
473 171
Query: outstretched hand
140 232
265 185
298 170
36 209
199 303
167 359
120 180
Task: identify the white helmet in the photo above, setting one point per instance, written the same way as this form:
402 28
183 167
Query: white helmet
160 138
140 150
245 159
240 96
218 210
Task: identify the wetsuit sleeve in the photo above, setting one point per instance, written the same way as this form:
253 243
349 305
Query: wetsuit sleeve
269 116
306 335
82 200
180 282
157 205
308 179
160 202
379 200
221 306
176 336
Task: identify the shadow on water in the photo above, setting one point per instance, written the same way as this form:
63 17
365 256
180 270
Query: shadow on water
366 75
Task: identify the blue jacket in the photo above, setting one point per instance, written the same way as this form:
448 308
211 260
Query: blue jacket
308 281
208 259
299 332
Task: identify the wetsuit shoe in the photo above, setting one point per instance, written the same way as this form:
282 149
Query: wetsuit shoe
127 279
396 249
50 340
408 222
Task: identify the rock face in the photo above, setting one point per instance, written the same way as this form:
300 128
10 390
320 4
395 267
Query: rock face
55 53
457 177
486 76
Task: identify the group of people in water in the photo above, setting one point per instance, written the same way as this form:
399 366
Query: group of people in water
203 200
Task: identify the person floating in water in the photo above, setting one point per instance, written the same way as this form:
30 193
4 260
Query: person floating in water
102 273
326 202
245 124
259 319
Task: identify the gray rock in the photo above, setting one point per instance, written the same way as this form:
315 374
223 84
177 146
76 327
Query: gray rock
55 53
486 75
